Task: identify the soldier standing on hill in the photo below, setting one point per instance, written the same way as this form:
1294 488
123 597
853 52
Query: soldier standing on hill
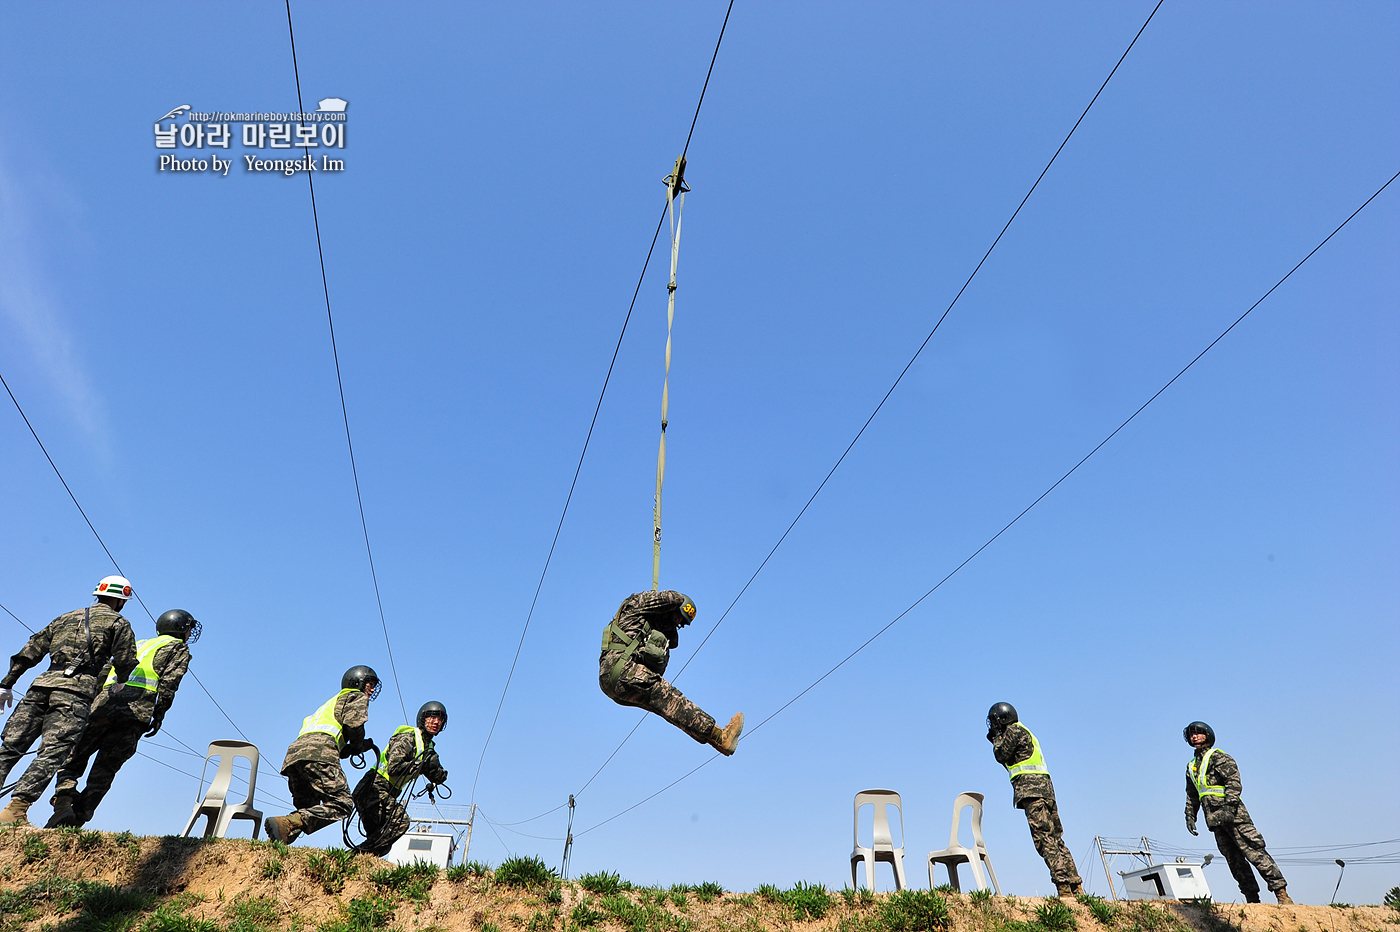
56 707
332 733
122 714
1213 783
408 754
1018 751
637 647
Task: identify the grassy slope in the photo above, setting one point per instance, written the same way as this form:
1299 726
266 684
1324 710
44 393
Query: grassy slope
71 881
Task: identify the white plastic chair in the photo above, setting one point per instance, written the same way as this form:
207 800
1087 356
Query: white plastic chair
215 804
955 854
881 845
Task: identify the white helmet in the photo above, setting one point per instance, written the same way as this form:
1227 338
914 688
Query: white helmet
116 587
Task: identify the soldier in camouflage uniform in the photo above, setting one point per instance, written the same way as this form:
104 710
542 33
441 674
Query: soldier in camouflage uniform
1213 783
79 644
332 733
637 647
1018 751
122 714
408 754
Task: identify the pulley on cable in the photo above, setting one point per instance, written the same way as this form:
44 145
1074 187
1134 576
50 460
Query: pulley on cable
676 189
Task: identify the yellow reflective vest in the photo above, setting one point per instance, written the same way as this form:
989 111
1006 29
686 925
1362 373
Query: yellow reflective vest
1196 772
145 675
1033 764
383 767
323 720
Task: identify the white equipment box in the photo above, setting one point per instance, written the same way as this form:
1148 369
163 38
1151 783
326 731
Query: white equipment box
1179 881
422 846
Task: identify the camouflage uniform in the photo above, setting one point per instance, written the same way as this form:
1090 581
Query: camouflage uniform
1235 835
120 716
1035 794
312 765
56 706
639 682
382 816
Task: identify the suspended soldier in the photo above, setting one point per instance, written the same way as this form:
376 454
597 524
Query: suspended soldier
1018 751
122 714
409 753
332 733
56 707
637 647
1213 784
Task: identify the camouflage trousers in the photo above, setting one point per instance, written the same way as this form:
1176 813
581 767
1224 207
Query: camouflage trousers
640 687
113 739
1242 845
56 716
320 793
382 816
1048 834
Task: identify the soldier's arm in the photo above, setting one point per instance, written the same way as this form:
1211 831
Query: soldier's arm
123 650
658 603
432 767
352 711
1193 799
172 662
399 755
31 653
1016 745
1225 772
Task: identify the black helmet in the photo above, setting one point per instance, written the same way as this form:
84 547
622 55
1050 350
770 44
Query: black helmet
687 610
181 624
358 677
1001 715
433 708
1199 728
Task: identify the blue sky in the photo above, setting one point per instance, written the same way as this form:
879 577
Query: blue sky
1230 556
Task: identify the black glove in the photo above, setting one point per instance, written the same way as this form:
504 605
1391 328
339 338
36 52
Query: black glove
1191 826
155 725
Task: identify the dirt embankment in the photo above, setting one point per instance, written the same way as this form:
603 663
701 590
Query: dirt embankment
68 880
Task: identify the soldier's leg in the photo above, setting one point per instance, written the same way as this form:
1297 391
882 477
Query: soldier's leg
25 726
367 807
640 687
1043 817
96 732
64 722
118 745
326 784
390 822
1239 866
1251 845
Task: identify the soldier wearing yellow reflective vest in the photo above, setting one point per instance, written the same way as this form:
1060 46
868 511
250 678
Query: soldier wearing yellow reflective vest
1018 751
1213 784
332 733
409 754
122 714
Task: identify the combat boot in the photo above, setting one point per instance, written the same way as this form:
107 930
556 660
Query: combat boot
1064 889
1252 897
725 740
1283 898
16 813
285 829
63 813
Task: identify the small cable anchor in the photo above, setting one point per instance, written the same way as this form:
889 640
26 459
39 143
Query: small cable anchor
676 180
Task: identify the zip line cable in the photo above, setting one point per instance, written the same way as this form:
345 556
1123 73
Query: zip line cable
335 355
18 619
592 423
1022 514
892 388
136 595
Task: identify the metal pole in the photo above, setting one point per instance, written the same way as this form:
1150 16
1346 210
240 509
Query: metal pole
676 189
1104 858
468 846
1343 865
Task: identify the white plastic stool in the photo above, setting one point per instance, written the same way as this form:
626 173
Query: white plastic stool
955 854
881 844
215 804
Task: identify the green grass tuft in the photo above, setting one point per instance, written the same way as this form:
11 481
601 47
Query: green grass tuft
1105 912
409 881
1392 898
35 849
1055 916
331 868
980 898
808 900
707 891
914 911
603 883
585 916
525 872
252 913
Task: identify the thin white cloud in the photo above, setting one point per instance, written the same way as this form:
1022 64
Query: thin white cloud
29 303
